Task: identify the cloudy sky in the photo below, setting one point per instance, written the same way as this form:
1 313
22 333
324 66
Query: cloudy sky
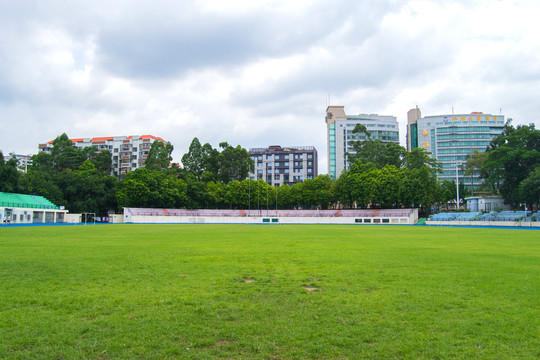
257 72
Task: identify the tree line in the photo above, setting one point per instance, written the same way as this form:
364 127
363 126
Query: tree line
381 176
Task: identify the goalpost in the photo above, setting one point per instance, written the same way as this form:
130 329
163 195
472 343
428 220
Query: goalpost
87 218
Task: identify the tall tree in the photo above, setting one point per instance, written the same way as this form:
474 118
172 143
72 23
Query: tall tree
87 189
9 175
512 156
65 156
209 164
474 164
234 163
368 150
102 161
159 156
196 160
529 189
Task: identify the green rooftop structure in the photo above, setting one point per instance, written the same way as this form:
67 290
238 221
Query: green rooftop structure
23 208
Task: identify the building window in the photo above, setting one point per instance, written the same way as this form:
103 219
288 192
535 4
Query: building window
286 164
277 157
277 164
259 157
310 156
309 170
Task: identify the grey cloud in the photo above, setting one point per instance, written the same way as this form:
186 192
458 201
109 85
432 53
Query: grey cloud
175 46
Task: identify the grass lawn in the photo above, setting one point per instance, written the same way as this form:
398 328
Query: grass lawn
265 292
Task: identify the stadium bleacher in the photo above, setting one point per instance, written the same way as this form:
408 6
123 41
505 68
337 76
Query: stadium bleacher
359 213
25 201
491 216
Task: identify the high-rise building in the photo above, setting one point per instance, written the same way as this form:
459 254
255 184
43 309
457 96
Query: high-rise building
340 134
284 165
450 138
127 152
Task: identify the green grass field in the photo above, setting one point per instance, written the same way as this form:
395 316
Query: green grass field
268 292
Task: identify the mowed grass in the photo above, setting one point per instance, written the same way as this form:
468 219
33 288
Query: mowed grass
265 292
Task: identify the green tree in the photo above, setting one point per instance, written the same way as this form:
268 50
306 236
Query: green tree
316 193
87 189
368 150
216 194
284 197
9 175
512 156
529 189
153 189
234 163
44 184
419 158
102 161
474 164
386 188
65 156
159 156
196 160
355 187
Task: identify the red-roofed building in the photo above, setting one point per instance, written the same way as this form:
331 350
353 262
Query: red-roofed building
128 152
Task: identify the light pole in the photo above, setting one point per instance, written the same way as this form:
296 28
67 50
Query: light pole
457 186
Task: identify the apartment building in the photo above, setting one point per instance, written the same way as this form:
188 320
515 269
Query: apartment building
284 165
128 152
23 161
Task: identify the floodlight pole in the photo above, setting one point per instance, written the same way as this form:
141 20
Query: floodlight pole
457 187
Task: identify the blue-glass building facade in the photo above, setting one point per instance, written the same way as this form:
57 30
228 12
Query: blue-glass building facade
451 138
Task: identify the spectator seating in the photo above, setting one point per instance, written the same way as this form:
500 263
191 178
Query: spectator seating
358 213
25 201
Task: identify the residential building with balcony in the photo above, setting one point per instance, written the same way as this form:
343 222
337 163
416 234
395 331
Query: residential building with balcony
127 152
284 165
23 161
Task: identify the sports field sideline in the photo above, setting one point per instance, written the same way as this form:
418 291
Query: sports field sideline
284 292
